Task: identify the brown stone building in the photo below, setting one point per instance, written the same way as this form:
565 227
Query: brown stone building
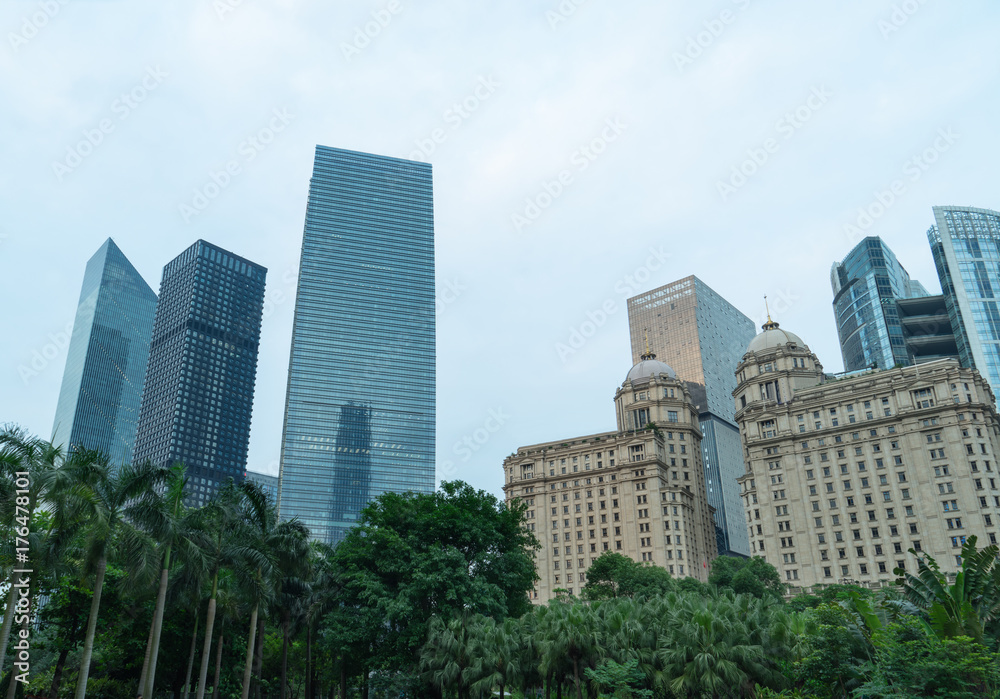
638 491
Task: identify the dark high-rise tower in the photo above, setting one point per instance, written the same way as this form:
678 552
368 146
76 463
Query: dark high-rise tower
102 385
359 413
703 337
866 286
198 393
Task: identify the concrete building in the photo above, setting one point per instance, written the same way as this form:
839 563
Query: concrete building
846 475
638 491
702 336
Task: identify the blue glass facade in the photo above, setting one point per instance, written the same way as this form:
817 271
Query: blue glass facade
703 337
198 393
865 288
965 243
102 384
267 483
359 412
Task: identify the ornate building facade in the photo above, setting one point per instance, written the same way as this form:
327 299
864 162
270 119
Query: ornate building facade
638 491
846 475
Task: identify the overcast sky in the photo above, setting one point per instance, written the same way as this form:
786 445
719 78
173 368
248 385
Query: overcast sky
583 151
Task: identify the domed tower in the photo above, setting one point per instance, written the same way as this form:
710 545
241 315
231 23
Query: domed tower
652 394
776 364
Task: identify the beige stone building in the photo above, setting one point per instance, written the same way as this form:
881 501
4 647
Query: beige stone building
846 474
638 491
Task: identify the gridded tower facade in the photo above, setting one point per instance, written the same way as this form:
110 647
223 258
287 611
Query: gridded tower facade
198 394
845 477
702 336
965 243
866 286
359 411
102 385
638 492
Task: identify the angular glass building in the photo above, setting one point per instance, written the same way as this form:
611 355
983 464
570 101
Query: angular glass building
102 384
199 386
965 243
359 412
866 285
703 338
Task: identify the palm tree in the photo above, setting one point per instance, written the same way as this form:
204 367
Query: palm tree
292 590
964 607
175 527
569 633
230 544
89 488
498 653
447 656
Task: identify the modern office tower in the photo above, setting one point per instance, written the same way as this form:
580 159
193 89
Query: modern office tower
845 476
965 243
638 491
927 329
102 384
359 412
703 337
866 285
198 393
267 483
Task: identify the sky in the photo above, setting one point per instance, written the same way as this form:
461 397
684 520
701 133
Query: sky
583 151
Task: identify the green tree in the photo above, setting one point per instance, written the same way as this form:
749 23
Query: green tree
623 681
748 576
613 575
964 607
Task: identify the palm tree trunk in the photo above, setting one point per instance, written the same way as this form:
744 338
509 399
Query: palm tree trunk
576 677
218 666
309 677
57 675
284 657
141 692
194 645
207 649
8 621
343 677
161 603
248 670
258 662
88 643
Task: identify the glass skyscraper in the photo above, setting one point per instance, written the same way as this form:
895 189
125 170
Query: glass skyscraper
965 242
102 384
198 393
703 337
359 412
865 288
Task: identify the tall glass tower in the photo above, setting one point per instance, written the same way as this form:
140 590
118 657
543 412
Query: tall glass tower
198 393
865 288
359 411
102 385
703 337
965 243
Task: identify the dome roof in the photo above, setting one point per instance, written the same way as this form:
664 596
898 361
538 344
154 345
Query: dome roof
648 368
773 337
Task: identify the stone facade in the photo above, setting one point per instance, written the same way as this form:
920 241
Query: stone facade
638 491
846 475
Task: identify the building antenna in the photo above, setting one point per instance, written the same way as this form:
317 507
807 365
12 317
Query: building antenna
770 324
647 354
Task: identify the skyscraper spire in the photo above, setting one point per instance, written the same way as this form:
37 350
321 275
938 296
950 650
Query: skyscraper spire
647 354
770 324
